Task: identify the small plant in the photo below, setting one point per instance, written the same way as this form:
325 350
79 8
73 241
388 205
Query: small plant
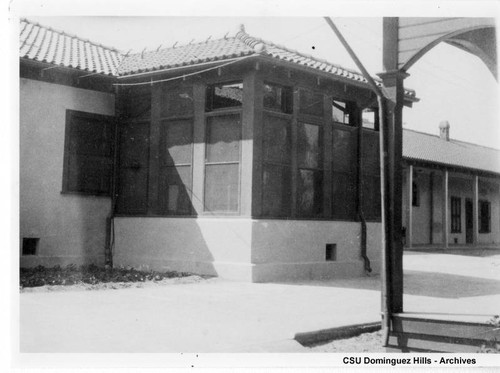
89 274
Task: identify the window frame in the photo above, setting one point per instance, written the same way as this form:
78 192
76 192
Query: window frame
484 227
111 120
456 215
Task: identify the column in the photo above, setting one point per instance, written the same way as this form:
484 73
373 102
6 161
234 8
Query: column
475 209
391 145
409 210
444 210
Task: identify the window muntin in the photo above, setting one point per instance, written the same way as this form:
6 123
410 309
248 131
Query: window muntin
224 95
456 214
222 163
278 98
484 216
88 154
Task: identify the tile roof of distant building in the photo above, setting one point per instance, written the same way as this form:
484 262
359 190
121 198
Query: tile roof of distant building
421 146
44 44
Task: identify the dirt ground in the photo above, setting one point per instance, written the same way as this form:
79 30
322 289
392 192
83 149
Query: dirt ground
367 342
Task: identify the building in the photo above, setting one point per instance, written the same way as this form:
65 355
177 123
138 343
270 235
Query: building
465 176
233 157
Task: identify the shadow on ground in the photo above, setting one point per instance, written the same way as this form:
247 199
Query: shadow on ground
442 285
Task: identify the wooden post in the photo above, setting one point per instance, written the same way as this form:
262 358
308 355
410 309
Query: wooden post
198 147
475 210
391 151
444 209
154 149
409 211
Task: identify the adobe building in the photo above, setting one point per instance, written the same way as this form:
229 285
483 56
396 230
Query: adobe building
233 157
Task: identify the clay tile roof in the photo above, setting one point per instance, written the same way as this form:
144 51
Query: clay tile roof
430 148
238 45
44 44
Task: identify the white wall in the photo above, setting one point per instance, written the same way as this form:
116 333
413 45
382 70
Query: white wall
244 249
71 228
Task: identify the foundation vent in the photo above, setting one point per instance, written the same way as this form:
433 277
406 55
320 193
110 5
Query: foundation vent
30 246
331 252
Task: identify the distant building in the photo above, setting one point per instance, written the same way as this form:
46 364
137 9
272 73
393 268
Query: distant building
233 157
464 175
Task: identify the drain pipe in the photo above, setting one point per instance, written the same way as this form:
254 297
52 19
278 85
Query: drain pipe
386 270
110 219
361 214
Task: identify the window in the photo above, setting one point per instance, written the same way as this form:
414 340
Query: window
369 119
176 101
484 216
220 96
30 246
311 103
310 174
175 167
222 163
415 196
88 153
278 98
344 173
137 103
342 112
456 215
276 177
371 175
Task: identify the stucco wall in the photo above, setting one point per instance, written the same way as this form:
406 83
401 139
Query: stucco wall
71 228
244 249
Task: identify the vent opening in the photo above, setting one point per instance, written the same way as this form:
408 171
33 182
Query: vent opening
30 246
331 252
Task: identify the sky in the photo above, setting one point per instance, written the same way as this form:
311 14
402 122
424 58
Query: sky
451 84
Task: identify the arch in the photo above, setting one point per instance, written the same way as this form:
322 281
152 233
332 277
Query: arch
458 39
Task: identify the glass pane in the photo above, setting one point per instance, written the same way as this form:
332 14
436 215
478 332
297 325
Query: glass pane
311 103
276 191
276 140
175 190
91 136
176 101
344 195
89 174
340 112
224 95
134 145
278 98
371 197
223 138
221 187
369 118
177 141
344 150
308 147
138 106
371 161
133 191
310 193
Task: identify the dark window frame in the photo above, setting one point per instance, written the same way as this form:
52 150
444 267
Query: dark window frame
69 154
210 94
286 106
456 214
484 221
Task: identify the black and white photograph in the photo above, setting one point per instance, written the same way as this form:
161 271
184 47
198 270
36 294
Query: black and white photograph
300 190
